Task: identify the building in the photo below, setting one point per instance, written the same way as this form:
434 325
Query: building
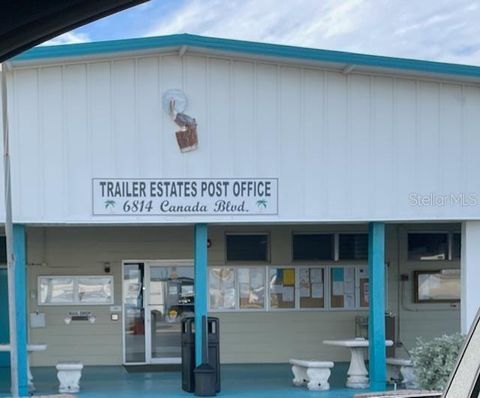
302 155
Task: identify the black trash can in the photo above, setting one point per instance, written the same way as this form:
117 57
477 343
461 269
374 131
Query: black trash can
205 380
188 352
214 348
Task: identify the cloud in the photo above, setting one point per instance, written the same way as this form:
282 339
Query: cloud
440 30
68 38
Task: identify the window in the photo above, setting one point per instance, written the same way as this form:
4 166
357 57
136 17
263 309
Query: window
247 247
312 247
456 245
301 287
3 250
251 286
437 286
312 287
75 290
427 246
94 290
353 246
222 289
56 290
282 287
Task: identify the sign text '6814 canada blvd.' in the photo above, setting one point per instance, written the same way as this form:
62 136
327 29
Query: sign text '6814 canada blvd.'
194 196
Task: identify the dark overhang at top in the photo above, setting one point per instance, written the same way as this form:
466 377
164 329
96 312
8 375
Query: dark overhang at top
26 23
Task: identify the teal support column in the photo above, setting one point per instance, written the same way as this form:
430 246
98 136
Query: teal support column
21 307
4 323
376 319
201 289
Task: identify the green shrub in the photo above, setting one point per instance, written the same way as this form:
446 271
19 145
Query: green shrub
434 360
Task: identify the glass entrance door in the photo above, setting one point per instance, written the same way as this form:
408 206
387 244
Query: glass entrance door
170 299
134 313
156 297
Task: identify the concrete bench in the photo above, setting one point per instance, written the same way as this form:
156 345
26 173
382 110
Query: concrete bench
397 367
314 374
69 374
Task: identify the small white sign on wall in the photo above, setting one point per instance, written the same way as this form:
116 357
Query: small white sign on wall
180 197
37 320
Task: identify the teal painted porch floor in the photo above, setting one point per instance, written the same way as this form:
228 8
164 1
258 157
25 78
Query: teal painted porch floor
242 381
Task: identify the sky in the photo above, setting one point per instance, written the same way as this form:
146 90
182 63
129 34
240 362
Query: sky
435 30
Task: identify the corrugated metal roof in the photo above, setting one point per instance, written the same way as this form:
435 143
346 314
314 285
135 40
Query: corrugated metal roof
249 48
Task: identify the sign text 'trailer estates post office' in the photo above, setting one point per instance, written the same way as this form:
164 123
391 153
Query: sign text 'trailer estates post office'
194 196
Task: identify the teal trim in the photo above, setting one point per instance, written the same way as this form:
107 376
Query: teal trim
21 307
247 47
201 289
376 319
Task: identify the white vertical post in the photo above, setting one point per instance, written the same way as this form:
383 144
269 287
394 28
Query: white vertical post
470 273
9 239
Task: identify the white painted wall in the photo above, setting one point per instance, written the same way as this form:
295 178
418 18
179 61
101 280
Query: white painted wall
344 147
418 319
470 273
245 337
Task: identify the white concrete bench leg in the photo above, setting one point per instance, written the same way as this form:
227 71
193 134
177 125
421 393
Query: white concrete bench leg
299 375
69 374
318 379
393 374
409 377
314 374
397 367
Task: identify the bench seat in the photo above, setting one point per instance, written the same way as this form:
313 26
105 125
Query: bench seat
313 374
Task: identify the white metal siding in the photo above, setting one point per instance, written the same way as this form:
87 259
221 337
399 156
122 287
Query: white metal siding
344 147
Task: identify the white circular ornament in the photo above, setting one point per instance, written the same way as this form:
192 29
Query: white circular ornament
178 96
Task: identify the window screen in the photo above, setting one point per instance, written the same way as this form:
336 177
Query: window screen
427 246
312 247
353 247
247 247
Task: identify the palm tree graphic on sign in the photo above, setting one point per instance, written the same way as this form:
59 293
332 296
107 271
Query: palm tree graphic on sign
262 203
109 204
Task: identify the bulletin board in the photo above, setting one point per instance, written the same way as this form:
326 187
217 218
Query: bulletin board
342 287
363 287
312 287
282 288
251 283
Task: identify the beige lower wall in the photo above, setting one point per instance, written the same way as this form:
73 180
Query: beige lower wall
245 337
276 337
